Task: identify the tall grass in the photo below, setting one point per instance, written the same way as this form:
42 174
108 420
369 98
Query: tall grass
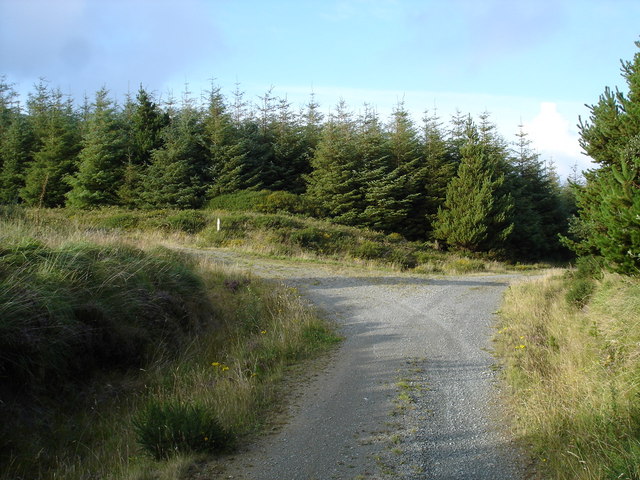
97 339
574 373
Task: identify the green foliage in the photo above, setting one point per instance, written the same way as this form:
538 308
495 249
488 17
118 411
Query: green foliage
475 213
100 167
168 428
283 202
243 200
609 204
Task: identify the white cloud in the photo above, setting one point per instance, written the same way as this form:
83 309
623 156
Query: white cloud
553 136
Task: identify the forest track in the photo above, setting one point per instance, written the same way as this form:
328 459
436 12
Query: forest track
410 394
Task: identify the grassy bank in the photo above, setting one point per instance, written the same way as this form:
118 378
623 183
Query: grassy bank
570 344
275 235
122 362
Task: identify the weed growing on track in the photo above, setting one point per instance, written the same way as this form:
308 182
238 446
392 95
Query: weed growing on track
572 367
112 355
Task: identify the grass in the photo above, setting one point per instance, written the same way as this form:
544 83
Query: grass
573 370
272 235
105 344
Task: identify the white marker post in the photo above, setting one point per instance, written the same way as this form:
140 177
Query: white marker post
218 225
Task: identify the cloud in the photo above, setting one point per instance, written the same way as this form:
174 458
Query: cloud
88 43
552 134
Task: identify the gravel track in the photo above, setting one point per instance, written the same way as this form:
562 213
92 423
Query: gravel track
411 392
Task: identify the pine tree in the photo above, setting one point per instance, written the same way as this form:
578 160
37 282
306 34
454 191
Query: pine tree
102 158
176 176
56 145
228 158
15 144
608 204
440 168
394 203
14 150
474 217
335 183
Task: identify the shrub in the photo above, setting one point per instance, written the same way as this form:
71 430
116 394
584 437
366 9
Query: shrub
279 202
167 428
189 221
370 250
580 291
239 201
119 220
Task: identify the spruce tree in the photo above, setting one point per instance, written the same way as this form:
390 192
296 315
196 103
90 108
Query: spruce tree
394 203
102 158
335 184
474 217
176 176
15 146
56 145
608 205
440 169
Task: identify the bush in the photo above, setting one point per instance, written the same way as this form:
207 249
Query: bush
119 220
370 250
243 200
189 221
165 429
580 291
283 202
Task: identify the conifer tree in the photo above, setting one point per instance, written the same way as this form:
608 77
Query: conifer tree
440 168
394 200
56 145
228 158
608 204
102 158
176 176
335 183
15 146
474 217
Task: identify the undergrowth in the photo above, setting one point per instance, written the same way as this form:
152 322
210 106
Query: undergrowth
274 235
572 362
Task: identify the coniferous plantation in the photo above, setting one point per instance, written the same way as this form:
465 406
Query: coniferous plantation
122 358
458 184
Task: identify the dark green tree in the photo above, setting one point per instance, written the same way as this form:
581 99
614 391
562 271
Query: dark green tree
176 177
608 204
475 215
440 169
101 161
56 146
335 183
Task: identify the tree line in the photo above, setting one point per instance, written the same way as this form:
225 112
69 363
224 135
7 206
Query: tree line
459 183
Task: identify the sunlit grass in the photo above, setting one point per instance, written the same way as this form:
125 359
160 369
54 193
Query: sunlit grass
574 375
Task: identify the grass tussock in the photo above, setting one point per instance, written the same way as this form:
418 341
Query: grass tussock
113 357
572 361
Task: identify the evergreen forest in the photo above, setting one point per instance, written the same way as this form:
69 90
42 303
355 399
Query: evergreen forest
457 182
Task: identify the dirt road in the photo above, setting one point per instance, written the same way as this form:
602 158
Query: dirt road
411 392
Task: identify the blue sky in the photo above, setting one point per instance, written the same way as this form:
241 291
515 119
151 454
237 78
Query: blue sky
535 62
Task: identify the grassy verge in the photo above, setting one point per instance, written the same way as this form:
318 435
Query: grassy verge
274 235
113 357
570 344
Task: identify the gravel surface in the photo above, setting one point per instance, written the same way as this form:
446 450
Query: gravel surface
411 392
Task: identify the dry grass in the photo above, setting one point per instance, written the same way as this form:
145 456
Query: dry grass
574 375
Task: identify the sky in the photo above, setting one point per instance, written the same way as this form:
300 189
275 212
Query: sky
535 63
